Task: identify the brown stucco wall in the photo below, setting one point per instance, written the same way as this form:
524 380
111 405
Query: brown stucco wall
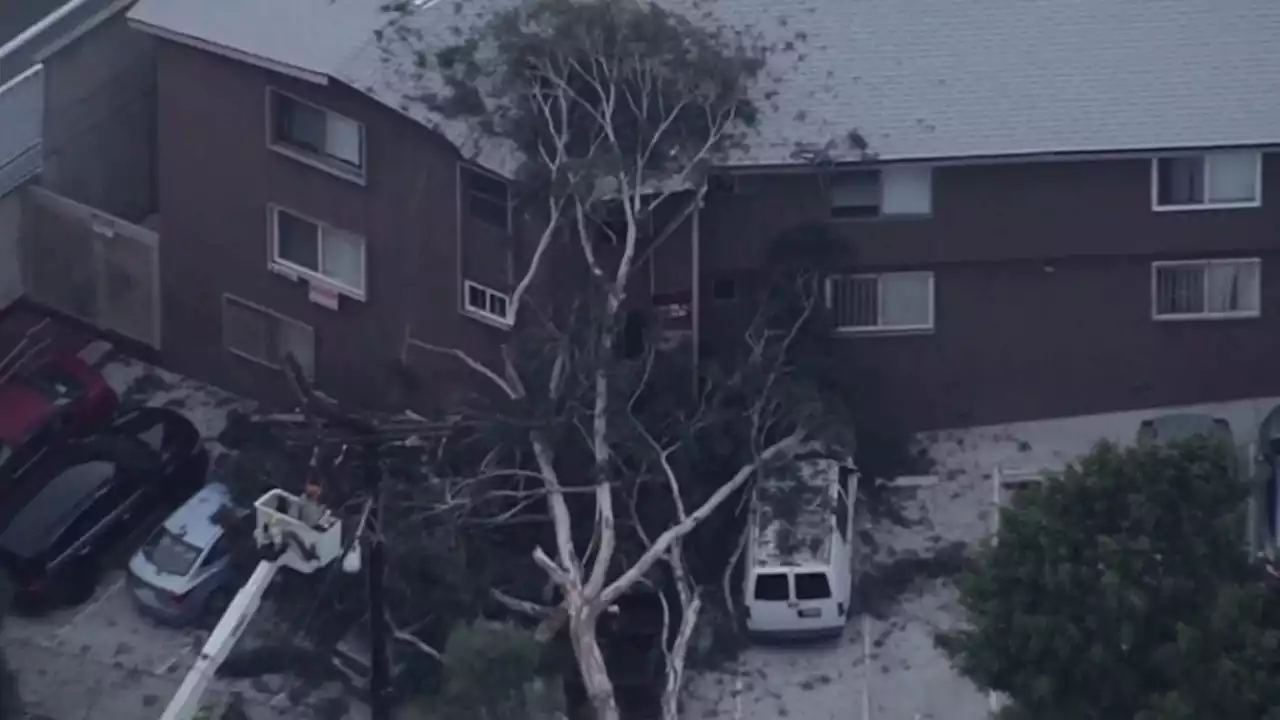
1042 270
217 176
1042 286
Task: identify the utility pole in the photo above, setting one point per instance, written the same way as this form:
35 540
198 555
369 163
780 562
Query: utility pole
370 444
369 435
379 661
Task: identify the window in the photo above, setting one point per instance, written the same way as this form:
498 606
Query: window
812 586
322 251
1201 289
772 586
265 337
486 302
1214 180
887 192
724 289
634 330
488 199
881 303
170 553
317 135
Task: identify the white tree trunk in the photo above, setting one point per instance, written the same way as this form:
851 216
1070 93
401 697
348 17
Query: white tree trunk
679 652
595 676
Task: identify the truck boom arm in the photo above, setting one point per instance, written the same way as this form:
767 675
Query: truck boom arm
186 702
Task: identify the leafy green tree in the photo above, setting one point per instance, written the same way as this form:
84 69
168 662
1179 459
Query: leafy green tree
1122 590
494 671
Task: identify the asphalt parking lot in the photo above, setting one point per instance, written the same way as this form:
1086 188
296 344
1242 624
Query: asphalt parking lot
104 660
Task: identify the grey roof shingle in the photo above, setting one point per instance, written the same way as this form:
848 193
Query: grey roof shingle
918 80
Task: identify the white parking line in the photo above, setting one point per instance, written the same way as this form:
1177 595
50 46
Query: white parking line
168 665
88 608
738 689
866 667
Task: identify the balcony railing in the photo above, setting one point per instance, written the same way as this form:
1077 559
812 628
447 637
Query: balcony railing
22 117
22 87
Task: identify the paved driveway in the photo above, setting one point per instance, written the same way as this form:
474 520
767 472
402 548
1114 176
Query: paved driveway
886 667
102 660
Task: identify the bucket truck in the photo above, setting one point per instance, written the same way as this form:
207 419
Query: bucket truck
291 532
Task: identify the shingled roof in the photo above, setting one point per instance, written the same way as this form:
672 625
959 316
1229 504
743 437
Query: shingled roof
926 79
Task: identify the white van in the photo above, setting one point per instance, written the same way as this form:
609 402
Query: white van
801 551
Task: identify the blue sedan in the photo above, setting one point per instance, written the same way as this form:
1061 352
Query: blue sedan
183 573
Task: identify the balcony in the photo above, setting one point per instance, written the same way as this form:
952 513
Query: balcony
28 31
22 117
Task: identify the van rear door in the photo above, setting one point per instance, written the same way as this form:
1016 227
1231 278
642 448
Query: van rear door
814 603
769 602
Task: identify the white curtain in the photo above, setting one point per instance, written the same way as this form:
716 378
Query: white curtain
343 140
1231 287
907 190
342 258
906 300
1233 176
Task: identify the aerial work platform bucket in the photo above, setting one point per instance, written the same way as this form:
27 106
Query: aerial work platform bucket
304 531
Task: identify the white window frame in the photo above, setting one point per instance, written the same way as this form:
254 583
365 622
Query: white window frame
1206 159
283 266
829 296
334 166
228 298
1207 314
888 180
483 313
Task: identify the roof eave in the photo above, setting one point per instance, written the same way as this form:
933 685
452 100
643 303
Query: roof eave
1009 158
229 52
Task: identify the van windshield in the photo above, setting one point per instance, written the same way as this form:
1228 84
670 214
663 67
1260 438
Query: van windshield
170 554
812 586
772 586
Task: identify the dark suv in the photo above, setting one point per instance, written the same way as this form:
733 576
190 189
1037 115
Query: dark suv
57 530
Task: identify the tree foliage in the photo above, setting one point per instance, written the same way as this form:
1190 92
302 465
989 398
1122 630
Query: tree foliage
1122 589
599 88
495 671
616 112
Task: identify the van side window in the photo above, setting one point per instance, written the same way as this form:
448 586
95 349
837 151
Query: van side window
772 586
812 586
842 509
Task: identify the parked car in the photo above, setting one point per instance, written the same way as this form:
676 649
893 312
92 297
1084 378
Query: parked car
798 572
59 528
183 573
63 396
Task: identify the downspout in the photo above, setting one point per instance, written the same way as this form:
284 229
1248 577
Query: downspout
695 304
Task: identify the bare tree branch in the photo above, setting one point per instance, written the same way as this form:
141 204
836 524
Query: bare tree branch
509 385
789 446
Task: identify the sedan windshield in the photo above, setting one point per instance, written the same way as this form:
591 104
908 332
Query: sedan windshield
170 554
